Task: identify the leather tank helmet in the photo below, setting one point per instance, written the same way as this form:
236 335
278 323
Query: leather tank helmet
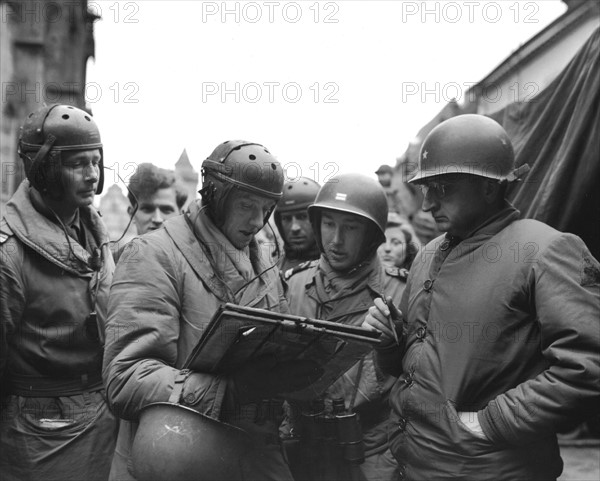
46 134
237 164
297 196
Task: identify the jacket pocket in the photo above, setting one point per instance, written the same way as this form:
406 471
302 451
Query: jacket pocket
59 416
466 441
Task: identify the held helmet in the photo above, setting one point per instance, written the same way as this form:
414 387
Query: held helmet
177 442
48 132
467 144
297 196
353 194
241 165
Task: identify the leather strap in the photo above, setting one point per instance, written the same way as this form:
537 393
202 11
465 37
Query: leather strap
178 387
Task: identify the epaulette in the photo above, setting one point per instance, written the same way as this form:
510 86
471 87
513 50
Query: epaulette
299 268
398 272
5 231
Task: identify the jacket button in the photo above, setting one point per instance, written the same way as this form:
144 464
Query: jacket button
427 285
401 424
444 245
421 333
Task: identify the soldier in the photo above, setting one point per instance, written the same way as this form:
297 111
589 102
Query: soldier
154 196
55 276
499 322
167 287
157 194
385 174
291 219
349 217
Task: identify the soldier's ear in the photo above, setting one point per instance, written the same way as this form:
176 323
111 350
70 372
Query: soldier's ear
491 190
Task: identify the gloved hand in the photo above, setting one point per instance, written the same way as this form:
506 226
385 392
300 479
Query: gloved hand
266 377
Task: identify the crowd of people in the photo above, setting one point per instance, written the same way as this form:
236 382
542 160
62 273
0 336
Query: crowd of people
488 333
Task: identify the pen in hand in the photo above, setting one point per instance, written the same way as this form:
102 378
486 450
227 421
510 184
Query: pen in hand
392 325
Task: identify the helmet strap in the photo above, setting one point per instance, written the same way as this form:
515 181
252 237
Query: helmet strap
37 163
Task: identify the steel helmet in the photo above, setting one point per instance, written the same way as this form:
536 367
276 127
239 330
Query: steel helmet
174 442
297 195
243 165
467 144
354 194
48 132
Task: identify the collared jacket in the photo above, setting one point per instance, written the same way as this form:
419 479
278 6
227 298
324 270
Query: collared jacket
373 386
164 294
505 324
293 258
51 348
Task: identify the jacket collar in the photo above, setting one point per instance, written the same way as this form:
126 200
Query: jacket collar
354 295
494 224
186 237
48 238
368 273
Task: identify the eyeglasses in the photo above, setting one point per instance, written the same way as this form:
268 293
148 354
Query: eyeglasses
437 189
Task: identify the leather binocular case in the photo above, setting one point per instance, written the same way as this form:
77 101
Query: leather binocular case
339 428
349 436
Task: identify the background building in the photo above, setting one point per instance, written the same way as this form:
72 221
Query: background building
44 49
546 95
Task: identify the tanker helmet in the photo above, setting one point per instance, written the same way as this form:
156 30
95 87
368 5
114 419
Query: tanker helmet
297 196
238 164
47 133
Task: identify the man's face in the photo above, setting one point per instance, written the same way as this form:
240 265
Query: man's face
343 236
393 251
297 231
244 217
384 178
456 202
155 209
80 173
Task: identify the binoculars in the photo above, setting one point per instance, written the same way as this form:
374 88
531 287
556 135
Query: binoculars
339 429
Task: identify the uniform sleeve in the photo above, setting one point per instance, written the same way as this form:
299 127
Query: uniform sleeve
142 334
565 286
12 295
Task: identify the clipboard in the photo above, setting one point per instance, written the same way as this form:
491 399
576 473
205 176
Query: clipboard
237 335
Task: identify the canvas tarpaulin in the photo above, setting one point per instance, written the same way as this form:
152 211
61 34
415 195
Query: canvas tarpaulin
558 134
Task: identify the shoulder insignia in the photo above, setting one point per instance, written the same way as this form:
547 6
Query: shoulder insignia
299 268
5 231
397 272
590 272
